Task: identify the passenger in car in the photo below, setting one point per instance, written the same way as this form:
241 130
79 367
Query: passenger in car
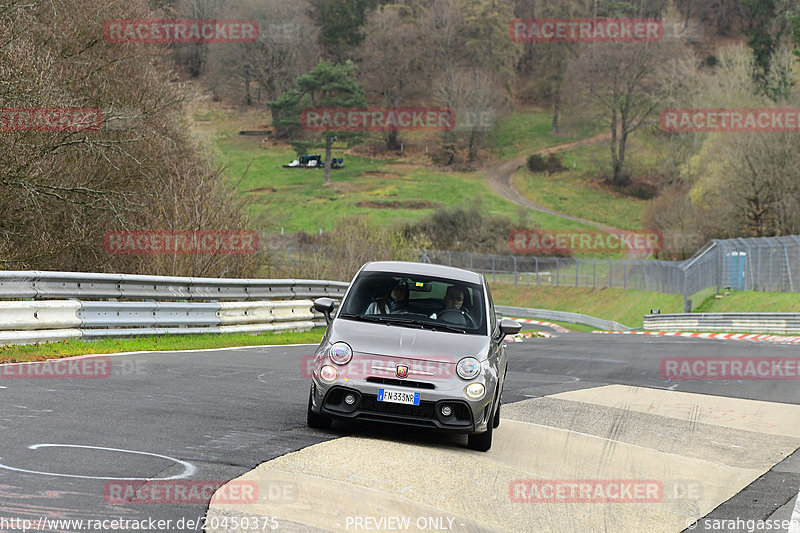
395 302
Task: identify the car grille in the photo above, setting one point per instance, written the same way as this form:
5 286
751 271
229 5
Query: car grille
402 383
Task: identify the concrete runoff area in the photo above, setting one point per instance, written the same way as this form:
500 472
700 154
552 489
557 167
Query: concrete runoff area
700 449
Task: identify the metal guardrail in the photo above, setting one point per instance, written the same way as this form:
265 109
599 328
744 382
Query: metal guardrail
780 323
41 285
68 305
561 316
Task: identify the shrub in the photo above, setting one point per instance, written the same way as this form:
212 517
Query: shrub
536 163
463 229
554 163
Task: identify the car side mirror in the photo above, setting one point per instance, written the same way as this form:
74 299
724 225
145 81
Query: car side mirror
509 326
325 306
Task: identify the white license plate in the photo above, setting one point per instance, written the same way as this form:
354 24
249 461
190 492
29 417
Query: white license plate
395 396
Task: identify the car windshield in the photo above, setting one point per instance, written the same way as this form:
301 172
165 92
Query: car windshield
417 301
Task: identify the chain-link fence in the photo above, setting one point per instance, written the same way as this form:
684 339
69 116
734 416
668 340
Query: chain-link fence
661 276
761 264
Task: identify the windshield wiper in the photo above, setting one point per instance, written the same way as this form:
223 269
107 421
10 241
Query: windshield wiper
386 319
365 318
372 318
431 325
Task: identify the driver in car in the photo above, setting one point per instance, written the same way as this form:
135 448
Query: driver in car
453 300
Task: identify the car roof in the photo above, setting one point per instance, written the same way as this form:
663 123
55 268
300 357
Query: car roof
423 269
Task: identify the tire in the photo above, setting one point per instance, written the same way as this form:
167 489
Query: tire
496 421
482 441
315 421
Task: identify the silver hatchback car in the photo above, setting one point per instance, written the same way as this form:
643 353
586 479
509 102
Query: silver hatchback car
413 344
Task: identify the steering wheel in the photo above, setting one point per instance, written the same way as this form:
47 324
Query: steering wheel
458 317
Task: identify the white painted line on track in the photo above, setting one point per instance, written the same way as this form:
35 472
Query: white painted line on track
188 468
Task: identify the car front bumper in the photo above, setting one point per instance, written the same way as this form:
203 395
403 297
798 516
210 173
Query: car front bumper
468 416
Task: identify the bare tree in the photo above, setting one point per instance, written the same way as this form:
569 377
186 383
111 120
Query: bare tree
60 191
742 183
477 101
623 83
194 56
287 47
393 63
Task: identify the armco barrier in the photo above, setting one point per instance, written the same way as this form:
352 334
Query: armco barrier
75 304
39 315
560 316
72 305
780 323
86 286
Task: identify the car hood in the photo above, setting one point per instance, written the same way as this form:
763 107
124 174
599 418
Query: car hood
402 341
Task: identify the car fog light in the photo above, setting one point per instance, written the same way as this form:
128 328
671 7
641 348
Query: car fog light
349 399
475 391
328 374
446 410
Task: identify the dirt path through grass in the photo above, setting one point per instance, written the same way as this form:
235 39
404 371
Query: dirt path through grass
499 178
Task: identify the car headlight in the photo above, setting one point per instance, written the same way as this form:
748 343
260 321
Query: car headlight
340 353
468 368
475 391
328 374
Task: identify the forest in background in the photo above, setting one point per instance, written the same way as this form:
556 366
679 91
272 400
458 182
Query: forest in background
61 191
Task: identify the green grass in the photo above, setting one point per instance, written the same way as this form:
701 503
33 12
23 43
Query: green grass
624 306
528 131
752 302
579 328
578 192
40 352
629 306
388 192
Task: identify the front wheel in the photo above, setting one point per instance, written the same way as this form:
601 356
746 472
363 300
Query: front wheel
315 421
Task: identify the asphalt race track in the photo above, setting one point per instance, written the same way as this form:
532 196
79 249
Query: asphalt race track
579 410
